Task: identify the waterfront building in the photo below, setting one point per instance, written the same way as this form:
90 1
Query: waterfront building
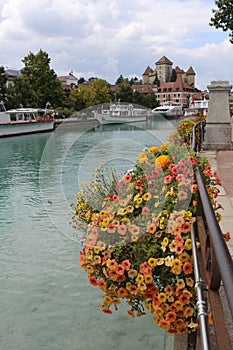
170 84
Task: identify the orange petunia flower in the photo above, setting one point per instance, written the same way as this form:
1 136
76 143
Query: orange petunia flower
122 292
171 316
131 313
112 264
164 324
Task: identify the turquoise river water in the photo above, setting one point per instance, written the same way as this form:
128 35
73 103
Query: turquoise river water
46 301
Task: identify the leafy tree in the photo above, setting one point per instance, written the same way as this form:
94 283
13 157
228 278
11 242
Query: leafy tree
223 16
156 81
81 80
125 93
120 80
3 80
86 96
38 83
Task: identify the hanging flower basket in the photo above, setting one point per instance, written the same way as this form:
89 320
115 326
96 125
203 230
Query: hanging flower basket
137 244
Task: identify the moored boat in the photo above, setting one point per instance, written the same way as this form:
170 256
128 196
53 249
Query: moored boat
120 113
169 110
197 108
21 121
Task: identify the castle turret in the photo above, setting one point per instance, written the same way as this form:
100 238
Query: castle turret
164 69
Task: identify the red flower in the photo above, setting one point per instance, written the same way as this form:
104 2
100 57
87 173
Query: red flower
188 268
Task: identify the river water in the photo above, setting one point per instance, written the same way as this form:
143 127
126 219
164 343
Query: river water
46 301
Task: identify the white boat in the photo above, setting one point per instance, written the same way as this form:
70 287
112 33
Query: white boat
120 113
22 121
197 108
169 110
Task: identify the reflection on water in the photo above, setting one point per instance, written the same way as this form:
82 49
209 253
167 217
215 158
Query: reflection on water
47 302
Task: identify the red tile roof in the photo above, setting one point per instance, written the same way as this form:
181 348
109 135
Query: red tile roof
190 71
179 70
164 60
148 71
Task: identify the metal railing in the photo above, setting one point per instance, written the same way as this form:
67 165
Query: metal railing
213 264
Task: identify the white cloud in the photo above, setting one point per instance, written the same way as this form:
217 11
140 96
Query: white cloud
106 38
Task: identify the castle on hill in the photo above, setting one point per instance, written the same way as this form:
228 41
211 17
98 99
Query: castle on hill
172 84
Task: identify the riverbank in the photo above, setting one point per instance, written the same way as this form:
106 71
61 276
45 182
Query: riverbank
75 120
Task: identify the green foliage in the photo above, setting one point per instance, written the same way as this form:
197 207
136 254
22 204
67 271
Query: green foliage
223 17
38 83
3 79
87 96
125 93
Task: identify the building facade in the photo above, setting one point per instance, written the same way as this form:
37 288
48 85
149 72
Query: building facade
173 84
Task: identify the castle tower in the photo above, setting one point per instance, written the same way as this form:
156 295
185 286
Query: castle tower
190 77
146 75
164 69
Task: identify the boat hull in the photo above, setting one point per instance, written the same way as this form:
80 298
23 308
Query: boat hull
108 119
14 129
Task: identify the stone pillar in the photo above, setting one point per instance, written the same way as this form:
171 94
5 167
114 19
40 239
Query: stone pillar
218 122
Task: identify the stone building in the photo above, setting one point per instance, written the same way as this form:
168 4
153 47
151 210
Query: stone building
173 84
69 82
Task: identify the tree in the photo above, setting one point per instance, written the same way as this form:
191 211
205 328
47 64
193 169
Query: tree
120 80
125 93
87 96
3 80
156 81
223 17
38 83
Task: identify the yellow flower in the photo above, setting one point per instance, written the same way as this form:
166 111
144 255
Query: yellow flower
169 260
132 273
180 283
161 161
96 250
142 157
162 297
140 278
142 286
128 285
129 209
152 262
134 238
188 244
184 257
148 279
160 261
165 242
147 196
153 149
178 305
163 147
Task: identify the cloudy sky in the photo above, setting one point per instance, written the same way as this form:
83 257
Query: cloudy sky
106 38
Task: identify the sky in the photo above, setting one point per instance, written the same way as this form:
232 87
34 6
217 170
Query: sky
107 38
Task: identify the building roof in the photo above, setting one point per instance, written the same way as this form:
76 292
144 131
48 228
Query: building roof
178 85
148 71
181 85
190 71
143 88
13 72
179 70
164 60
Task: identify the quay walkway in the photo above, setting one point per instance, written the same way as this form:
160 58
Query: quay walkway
222 163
